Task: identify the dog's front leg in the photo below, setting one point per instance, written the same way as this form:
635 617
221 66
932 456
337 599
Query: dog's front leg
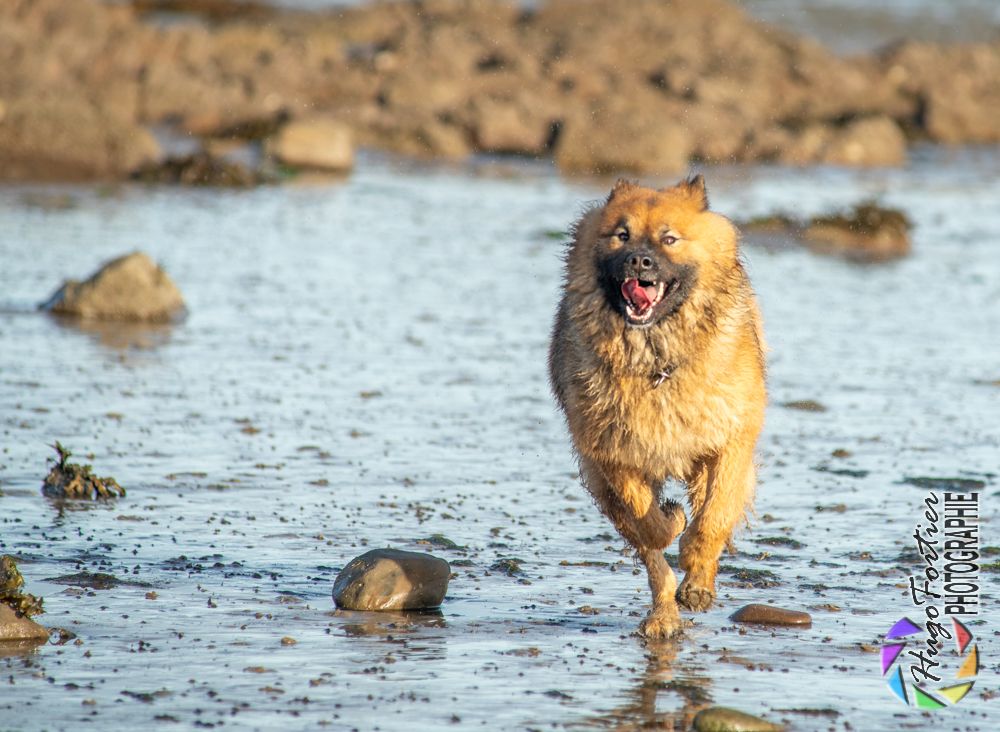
664 619
627 498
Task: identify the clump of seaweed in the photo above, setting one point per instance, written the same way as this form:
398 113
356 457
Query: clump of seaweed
867 233
11 595
867 218
71 480
200 169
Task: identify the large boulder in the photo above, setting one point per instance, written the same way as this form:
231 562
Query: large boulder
132 288
612 140
81 80
392 579
871 141
316 143
62 135
417 134
511 126
957 87
864 142
69 85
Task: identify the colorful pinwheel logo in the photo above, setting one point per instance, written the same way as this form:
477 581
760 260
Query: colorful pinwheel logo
899 636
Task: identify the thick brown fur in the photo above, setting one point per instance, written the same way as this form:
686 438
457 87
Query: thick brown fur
681 398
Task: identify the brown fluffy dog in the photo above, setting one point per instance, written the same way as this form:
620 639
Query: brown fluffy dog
657 361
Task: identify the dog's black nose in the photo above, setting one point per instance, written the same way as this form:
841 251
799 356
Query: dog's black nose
640 262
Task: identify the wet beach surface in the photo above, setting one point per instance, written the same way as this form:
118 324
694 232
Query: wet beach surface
852 26
846 26
364 366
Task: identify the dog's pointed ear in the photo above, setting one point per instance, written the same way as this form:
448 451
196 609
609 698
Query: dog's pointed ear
696 190
621 186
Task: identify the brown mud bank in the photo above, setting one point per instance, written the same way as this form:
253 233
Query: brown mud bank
600 86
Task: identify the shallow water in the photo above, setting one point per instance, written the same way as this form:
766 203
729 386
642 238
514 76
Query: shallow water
852 26
847 26
364 365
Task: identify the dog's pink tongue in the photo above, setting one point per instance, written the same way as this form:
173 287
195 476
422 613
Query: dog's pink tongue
636 294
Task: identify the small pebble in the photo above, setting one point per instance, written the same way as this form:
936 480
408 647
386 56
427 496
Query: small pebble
770 615
288 641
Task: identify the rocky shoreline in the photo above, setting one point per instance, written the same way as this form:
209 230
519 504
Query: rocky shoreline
597 85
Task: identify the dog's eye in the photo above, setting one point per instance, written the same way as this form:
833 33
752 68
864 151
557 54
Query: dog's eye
669 239
622 234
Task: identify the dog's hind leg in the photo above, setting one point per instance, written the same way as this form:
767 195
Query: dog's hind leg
720 495
625 497
697 486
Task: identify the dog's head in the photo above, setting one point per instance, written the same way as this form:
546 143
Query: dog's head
648 251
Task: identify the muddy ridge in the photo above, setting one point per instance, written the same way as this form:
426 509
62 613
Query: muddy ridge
599 86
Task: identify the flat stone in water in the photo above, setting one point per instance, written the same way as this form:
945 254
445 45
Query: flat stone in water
805 405
95 581
770 615
724 719
392 579
933 483
14 627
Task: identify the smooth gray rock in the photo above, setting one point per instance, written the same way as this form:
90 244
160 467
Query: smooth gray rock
770 615
392 579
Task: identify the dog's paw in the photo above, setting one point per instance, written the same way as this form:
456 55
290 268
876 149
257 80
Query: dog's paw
694 597
675 512
661 623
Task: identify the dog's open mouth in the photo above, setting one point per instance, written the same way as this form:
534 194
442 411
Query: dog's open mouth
641 298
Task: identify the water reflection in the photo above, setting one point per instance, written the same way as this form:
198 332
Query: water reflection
661 678
386 622
65 507
119 335
412 631
12 648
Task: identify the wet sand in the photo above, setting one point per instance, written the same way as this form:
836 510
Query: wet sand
364 365
855 26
